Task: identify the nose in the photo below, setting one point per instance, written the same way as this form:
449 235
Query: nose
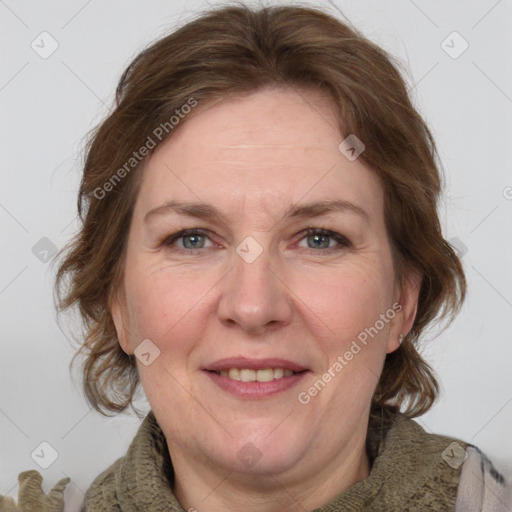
255 296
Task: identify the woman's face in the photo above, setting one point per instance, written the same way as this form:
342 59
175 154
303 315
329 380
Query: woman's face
251 294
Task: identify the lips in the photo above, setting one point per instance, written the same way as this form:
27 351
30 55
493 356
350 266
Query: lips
255 378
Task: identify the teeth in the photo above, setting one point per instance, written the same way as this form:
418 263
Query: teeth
234 373
264 375
247 375
278 373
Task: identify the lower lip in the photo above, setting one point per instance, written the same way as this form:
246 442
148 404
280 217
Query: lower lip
255 389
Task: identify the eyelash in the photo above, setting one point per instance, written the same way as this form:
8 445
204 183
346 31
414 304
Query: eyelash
343 241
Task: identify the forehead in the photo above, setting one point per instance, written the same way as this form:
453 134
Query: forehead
262 151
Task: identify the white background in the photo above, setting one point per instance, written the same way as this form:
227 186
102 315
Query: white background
48 105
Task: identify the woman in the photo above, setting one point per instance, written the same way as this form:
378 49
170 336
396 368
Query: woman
261 250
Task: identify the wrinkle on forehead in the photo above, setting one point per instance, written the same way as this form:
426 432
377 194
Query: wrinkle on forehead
273 146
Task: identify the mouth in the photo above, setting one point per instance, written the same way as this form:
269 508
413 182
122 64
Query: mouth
255 378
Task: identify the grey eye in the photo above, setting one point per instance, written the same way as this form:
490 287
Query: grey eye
193 241
320 241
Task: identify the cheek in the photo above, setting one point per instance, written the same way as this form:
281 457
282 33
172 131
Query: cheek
352 335
352 340
346 300
165 306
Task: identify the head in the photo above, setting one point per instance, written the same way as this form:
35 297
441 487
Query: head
242 112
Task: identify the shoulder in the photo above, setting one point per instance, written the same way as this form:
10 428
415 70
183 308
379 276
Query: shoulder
437 472
483 487
141 468
101 496
480 485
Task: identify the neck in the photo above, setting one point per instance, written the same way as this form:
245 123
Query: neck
308 485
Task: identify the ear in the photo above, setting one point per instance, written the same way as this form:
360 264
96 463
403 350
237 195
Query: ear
119 314
406 307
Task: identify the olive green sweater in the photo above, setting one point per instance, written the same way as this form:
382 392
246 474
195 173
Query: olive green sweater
411 471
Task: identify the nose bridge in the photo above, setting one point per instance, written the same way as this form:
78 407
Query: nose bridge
254 296
253 267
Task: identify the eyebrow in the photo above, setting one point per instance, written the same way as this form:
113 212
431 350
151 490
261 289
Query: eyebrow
296 211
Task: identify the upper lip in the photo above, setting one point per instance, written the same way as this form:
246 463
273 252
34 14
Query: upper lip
253 364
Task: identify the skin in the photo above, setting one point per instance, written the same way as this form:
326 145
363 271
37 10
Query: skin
252 157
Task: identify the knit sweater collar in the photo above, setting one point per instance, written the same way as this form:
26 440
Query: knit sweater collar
408 473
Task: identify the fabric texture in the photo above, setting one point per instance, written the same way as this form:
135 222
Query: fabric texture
31 497
481 486
412 471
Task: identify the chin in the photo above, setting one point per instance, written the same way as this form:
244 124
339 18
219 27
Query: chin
260 448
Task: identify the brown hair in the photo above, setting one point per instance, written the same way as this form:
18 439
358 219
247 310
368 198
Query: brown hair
238 50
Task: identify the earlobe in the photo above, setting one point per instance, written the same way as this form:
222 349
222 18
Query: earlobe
117 310
410 297
403 322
